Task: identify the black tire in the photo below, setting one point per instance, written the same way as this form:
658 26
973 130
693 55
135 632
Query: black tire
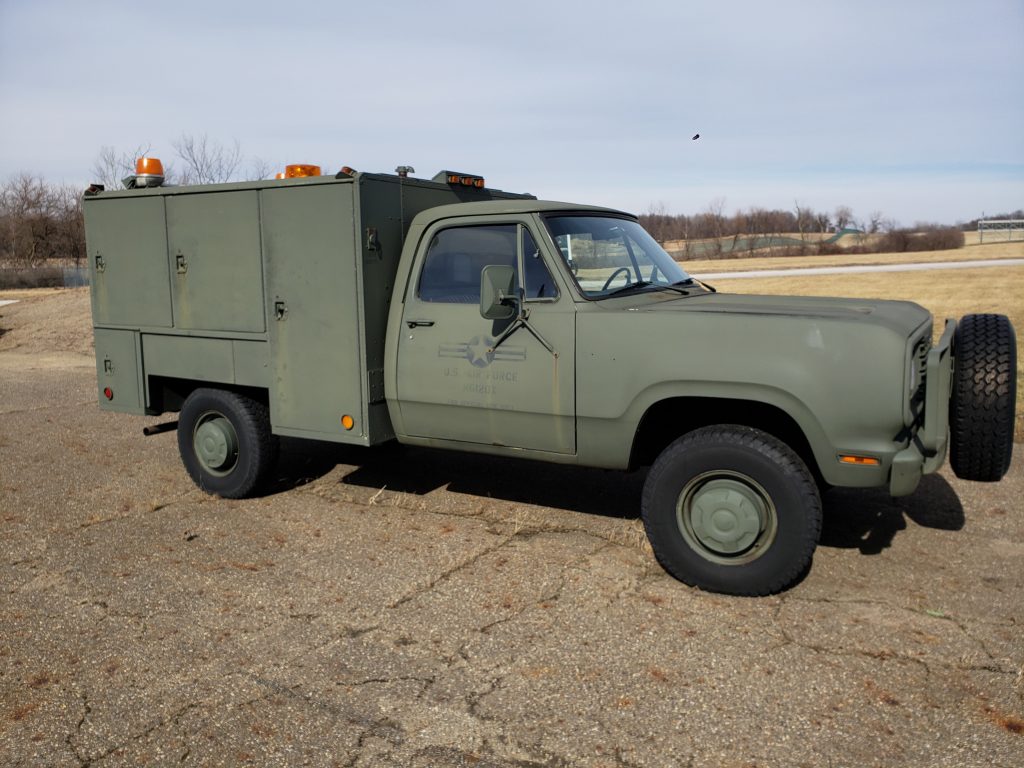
225 442
981 410
697 481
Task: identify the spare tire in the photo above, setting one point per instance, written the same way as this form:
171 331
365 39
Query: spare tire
981 410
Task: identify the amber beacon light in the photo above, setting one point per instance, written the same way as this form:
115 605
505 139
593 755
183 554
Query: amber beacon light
149 172
300 170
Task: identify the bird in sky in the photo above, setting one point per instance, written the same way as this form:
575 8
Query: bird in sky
695 137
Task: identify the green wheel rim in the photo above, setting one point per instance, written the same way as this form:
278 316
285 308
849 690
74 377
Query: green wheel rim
215 443
726 517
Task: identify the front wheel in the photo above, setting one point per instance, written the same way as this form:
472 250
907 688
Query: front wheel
732 509
225 442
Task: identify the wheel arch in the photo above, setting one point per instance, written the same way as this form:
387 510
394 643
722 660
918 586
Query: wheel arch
672 417
166 394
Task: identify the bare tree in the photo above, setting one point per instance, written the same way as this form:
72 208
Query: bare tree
205 160
68 241
804 219
714 225
26 220
844 216
259 169
39 222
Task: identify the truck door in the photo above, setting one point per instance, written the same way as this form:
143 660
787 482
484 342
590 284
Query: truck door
453 382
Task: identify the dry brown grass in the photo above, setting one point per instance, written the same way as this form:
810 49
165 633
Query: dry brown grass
47 322
945 293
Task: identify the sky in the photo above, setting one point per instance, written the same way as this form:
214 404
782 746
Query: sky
914 109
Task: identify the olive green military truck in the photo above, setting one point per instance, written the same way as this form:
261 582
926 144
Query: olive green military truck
363 308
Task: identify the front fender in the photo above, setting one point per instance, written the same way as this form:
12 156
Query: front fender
608 442
841 379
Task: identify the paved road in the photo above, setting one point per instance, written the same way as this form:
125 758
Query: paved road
911 267
413 608
401 607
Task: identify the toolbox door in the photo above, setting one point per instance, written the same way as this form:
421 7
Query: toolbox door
127 241
314 316
214 251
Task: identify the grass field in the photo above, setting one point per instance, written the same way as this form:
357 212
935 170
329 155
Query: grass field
945 293
967 253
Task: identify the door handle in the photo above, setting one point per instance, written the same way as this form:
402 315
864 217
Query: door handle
415 323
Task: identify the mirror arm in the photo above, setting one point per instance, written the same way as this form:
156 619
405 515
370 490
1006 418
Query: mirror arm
522 321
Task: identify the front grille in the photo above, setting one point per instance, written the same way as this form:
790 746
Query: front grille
921 350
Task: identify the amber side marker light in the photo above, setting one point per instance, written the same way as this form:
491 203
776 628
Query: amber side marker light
301 170
863 461
347 422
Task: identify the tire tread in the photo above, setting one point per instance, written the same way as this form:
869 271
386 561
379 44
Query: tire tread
984 394
767 447
251 420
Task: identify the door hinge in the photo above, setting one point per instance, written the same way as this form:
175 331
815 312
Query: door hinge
372 241
375 378
280 310
100 264
108 366
182 265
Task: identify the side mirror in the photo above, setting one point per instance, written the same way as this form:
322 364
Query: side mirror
498 299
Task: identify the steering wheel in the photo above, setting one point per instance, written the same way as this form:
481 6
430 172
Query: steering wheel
615 274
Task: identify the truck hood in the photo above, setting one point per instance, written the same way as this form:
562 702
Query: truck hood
901 317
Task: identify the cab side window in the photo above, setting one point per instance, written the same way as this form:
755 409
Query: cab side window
456 256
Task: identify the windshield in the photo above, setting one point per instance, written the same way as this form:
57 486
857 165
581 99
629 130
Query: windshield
608 255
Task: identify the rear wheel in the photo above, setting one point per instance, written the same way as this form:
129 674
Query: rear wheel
981 410
732 509
225 442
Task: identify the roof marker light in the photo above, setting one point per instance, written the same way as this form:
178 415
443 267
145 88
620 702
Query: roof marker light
459 178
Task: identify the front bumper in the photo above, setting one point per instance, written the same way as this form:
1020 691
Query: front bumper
927 449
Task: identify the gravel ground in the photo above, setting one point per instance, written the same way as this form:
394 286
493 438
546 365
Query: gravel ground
399 607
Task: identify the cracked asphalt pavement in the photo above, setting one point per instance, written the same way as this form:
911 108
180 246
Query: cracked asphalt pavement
401 607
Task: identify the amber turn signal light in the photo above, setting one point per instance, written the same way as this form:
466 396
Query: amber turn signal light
863 461
347 422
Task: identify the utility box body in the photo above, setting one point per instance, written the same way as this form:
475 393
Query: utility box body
279 285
